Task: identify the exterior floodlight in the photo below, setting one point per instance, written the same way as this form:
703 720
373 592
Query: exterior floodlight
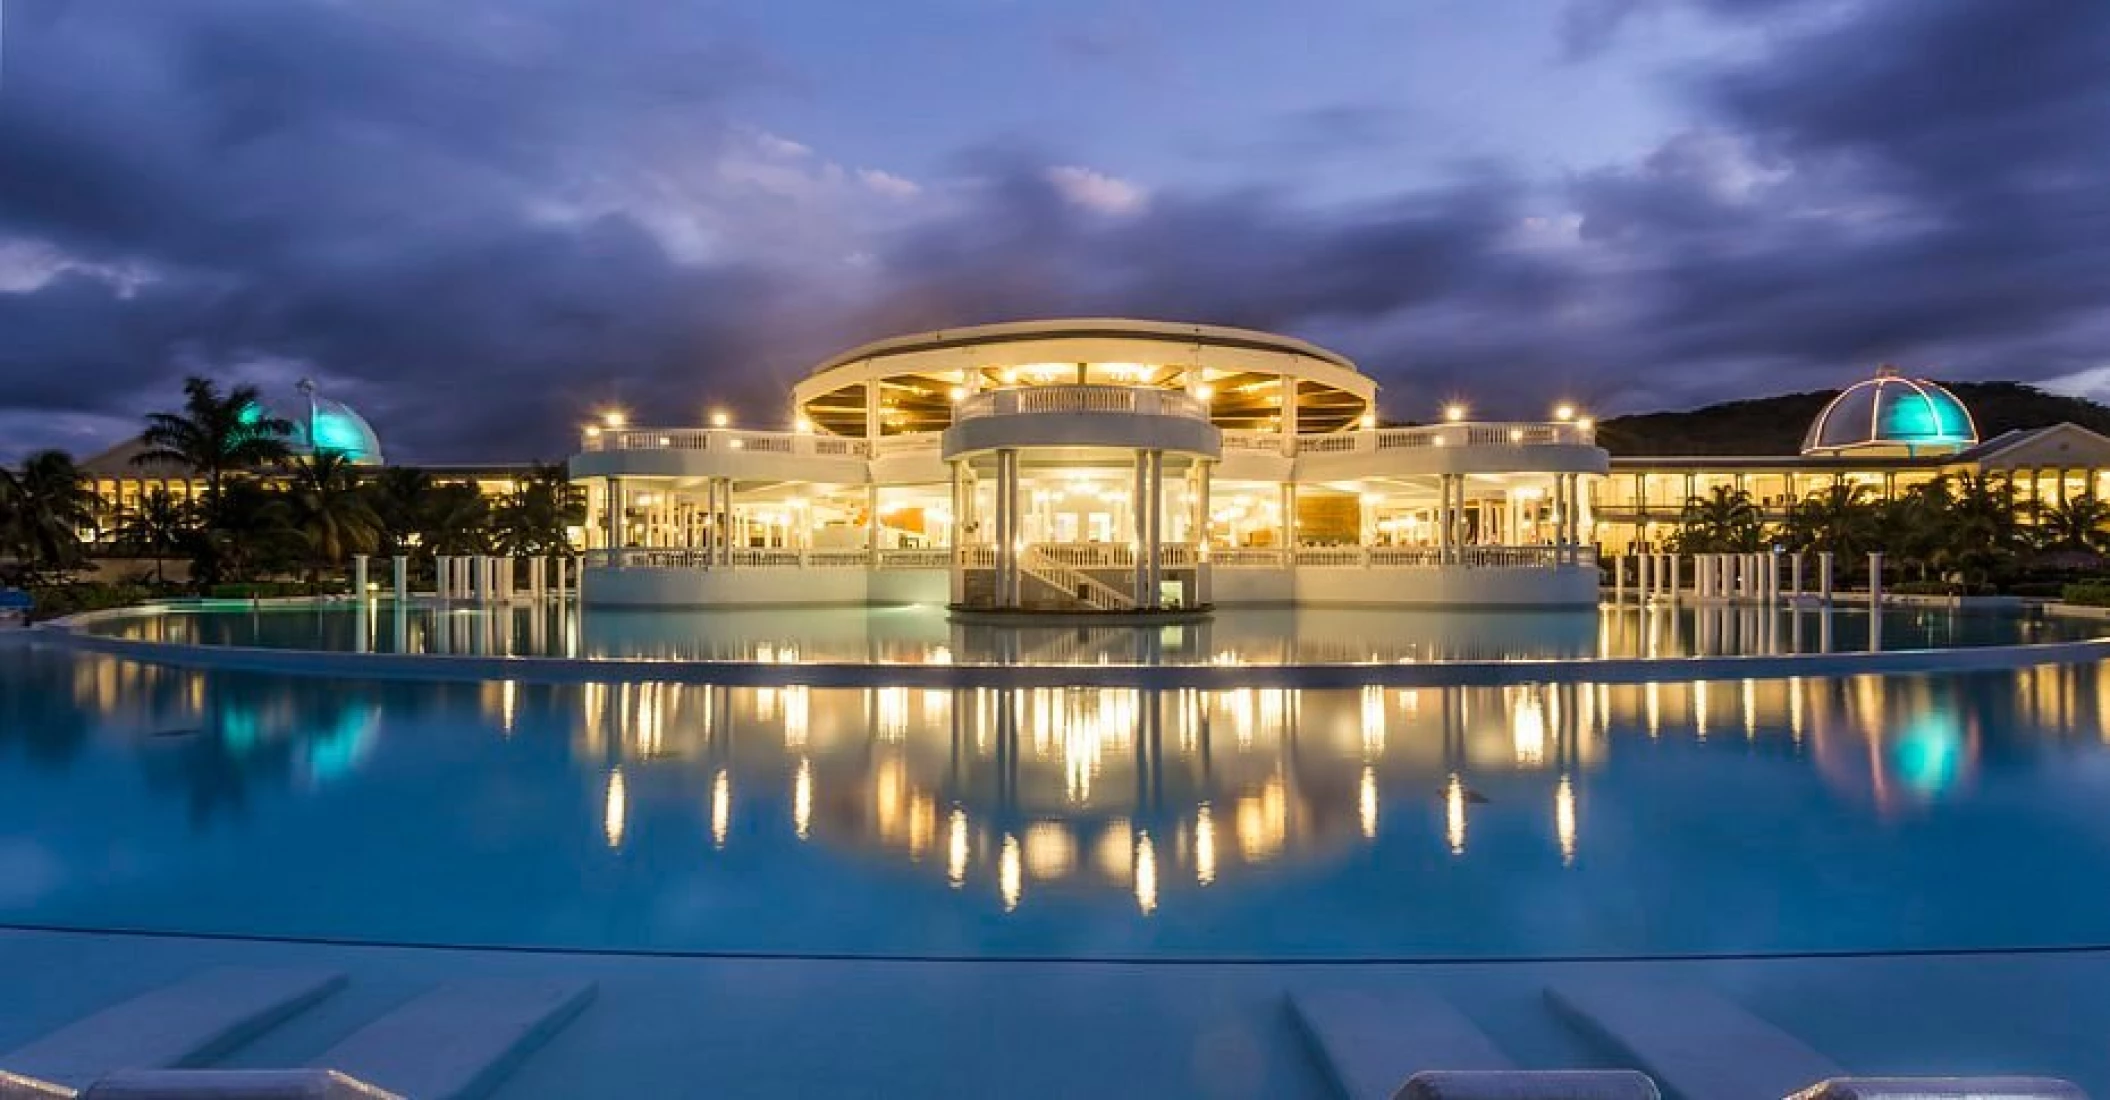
1454 412
1204 391
1564 412
802 426
719 419
614 418
959 394
1368 421
1586 424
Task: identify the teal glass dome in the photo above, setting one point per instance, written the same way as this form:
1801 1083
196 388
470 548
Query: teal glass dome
320 424
1892 413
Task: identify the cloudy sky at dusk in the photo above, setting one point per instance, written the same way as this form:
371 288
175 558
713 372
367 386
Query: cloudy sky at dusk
477 220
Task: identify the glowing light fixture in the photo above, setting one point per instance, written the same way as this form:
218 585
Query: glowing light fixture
719 418
1367 421
1454 412
1564 412
802 426
614 418
1586 424
1204 392
959 394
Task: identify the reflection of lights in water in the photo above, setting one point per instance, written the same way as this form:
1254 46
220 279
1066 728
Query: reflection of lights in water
618 805
1146 875
1263 821
1795 707
938 655
1050 853
802 799
956 849
1699 709
1115 850
1564 818
507 689
1652 700
1008 880
1750 709
1929 755
721 807
892 705
339 752
1204 846
1454 814
1366 802
798 716
1527 723
766 705
1373 720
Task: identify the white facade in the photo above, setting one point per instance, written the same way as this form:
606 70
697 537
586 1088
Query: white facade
1089 466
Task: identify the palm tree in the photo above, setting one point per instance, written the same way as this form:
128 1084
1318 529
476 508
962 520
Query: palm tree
161 526
215 435
325 506
2076 524
456 519
400 497
1981 535
1841 519
48 505
537 516
1726 520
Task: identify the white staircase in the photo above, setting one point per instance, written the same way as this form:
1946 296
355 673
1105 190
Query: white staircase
1072 582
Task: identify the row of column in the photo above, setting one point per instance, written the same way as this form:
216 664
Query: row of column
490 578
1747 576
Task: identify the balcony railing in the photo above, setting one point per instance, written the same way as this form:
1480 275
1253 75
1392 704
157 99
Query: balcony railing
722 441
1076 399
1104 556
1080 398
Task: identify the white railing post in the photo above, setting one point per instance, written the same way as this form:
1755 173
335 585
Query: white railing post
1875 580
402 580
359 592
1824 575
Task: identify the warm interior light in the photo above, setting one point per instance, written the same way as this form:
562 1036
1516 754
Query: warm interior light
719 419
803 426
1454 412
614 418
1586 423
1204 391
1564 412
592 430
959 394
1368 421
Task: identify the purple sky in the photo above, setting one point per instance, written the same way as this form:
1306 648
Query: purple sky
479 220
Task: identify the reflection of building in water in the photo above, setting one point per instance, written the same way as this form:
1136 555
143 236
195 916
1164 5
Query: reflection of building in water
1027 793
1021 792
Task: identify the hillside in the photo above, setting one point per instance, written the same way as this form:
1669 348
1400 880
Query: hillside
1774 425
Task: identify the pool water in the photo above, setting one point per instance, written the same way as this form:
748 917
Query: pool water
1858 813
926 635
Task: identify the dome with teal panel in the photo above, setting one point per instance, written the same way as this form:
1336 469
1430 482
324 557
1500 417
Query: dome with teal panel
321 424
1894 414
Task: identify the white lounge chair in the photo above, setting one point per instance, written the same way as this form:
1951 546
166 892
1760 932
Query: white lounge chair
1697 1044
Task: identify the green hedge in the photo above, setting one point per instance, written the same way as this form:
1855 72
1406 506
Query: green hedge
2088 593
262 590
53 601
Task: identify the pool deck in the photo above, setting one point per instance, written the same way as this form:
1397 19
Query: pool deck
738 1028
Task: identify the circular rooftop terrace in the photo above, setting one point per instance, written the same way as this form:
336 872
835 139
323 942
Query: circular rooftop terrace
1240 373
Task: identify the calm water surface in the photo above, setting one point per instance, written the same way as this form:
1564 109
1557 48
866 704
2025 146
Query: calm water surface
1735 816
922 635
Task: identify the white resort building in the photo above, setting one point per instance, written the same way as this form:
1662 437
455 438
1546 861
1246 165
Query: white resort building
1096 466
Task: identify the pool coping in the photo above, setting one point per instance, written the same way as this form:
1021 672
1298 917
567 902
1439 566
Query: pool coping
71 633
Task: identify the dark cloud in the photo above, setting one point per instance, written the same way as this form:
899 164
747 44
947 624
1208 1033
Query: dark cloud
479 221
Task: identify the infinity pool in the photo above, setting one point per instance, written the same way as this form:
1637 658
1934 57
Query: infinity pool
1759 816
925 635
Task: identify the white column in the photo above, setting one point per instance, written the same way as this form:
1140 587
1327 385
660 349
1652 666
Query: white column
1645 574
1772 577
559 570
1795 573
1288 414
1204 581
402 580
1157 527
1875 581
1824 578
1006 541
1140 506
1618 579
359 578
443 576
614 503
